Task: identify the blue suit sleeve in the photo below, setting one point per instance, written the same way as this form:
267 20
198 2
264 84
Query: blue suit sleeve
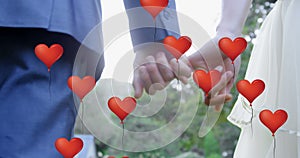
142 25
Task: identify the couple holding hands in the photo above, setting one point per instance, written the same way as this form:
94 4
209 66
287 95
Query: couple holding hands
28 116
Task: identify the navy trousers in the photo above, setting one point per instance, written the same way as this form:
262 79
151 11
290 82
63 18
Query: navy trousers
31 121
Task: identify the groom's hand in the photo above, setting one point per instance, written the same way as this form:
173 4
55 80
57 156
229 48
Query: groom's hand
152 69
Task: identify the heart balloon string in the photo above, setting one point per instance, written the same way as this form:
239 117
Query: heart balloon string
122 108
177 47
251 120
123 135
250 91
233 71
273 121
252 114
154 8
207 107
178 72
232 49
82 117
274 146
206 81
81 87
154 35
207 113
49 86
49 56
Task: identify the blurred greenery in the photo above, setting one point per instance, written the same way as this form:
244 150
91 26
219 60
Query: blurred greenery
222 139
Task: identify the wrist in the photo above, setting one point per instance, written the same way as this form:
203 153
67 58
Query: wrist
221 33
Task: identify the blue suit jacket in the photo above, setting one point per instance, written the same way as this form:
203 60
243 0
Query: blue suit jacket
73 17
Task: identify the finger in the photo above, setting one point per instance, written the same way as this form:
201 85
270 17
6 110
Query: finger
184 80
184 68
226 77
222 97
164 67
216 100
183 71
218 108
144 76
137 86
228 96
229 85
226 91
154 73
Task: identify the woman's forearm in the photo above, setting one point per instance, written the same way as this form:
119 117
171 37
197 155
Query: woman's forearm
233 17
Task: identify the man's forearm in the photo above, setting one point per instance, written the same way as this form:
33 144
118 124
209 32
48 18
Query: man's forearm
142 24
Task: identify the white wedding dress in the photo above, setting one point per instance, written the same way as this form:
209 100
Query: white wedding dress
275 59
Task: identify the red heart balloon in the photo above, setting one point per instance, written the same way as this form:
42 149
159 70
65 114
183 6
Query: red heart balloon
177 47
273 121
250 90
122 108
68 149
154 7
205 80
48 55
232 48
81 87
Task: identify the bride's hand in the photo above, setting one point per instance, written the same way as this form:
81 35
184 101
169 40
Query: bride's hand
220 93
152 71
210 57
